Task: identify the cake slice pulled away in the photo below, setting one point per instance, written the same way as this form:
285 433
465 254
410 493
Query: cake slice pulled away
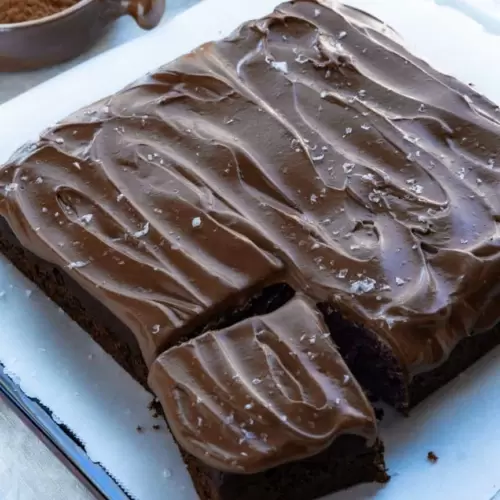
256 400
309 154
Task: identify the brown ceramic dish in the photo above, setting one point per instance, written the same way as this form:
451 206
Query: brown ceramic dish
65 35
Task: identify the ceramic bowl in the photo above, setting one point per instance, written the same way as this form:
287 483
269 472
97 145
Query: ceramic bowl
62 36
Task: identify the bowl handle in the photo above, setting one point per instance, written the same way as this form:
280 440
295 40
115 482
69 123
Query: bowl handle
147 13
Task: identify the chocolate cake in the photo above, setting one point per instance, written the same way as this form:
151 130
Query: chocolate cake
282 225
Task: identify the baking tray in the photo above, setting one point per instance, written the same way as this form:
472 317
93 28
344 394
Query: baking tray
59 440
451 423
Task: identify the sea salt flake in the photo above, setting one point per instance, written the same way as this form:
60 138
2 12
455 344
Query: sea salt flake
11 187
348 130
77 264
167 473
318 157
399 281
196 222
301 59
86 218
365 126
342 35
280 66
60 140
342 273
364 285
256 381
38 180
348 167
142 232
410 138
317 12
323 94
313 198
155 329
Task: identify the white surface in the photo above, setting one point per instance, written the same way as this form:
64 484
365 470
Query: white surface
30 471
485 12
103 405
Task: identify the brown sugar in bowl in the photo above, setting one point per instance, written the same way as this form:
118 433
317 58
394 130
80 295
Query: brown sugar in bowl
66 34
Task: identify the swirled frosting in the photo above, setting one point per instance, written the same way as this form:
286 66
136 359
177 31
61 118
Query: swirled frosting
156 246
309 147
261 392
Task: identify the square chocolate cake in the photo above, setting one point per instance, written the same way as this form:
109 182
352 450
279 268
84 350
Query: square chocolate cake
273 232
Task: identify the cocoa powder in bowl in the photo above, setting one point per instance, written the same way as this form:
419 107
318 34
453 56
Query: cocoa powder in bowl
19 11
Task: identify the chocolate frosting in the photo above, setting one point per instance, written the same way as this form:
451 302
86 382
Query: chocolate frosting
261 392
308 147
158 248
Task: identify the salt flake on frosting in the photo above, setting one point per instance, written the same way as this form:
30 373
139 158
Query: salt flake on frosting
86 219
77 264
280 66
143 231
364 285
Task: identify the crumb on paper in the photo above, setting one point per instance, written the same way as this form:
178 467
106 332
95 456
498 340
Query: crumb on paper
139 429
156 427
155 408
432 457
